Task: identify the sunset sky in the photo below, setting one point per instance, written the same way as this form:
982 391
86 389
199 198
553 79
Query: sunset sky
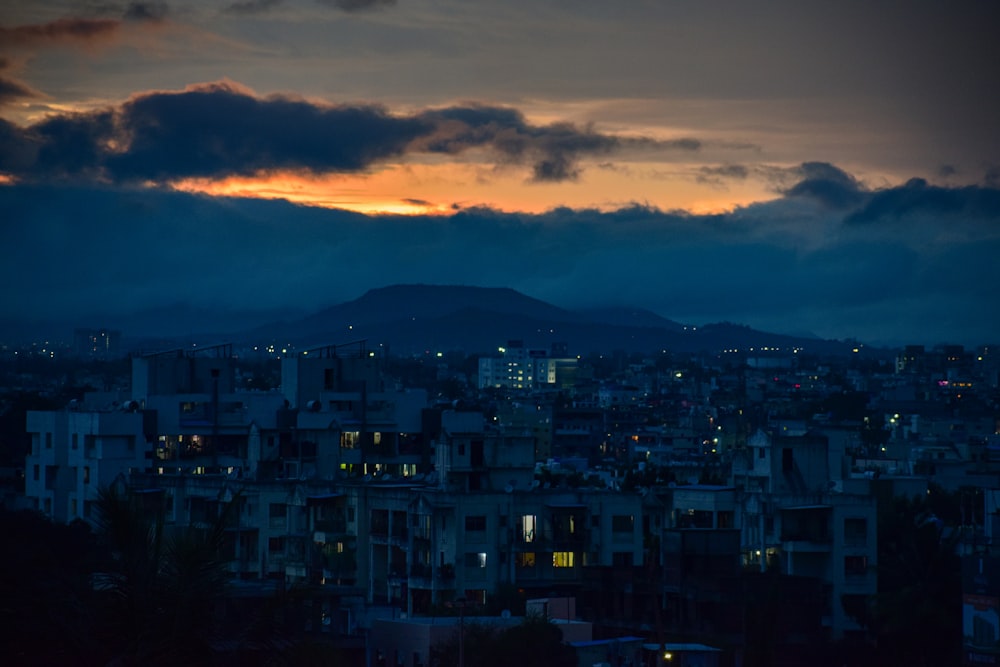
816 167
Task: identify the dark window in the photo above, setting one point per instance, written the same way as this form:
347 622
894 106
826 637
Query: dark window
856 531
475 523
276 511
855 565
787 462
622 559
622 523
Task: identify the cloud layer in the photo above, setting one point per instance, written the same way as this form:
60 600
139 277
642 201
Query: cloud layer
911 263
219 130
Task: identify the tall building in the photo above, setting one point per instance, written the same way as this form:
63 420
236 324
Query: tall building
97 343
520 367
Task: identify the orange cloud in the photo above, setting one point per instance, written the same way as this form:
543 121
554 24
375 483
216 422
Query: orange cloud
71 30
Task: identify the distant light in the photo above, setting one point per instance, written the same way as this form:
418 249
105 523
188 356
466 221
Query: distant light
440 354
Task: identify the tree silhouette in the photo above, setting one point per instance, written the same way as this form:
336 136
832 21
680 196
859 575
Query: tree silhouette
535 642
917 613
160 590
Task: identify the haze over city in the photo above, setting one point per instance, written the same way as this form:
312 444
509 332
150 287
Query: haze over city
832 170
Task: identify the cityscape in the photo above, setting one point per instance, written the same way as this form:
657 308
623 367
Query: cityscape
396 333
724 507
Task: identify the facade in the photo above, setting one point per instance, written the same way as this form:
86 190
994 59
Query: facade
520 367
76 451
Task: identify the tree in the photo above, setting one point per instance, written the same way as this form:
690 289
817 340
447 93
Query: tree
535 642
45 592
917 613
160 589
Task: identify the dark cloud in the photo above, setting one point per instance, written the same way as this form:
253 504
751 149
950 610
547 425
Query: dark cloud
11 89
552 150
992 176
88 253
153 12
248 7
62 30
828 185
719 175
357 5
917 200
217 130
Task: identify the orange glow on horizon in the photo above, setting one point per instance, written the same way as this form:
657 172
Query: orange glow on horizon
447 187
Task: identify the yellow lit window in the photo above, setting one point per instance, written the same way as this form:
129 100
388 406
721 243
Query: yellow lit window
562 559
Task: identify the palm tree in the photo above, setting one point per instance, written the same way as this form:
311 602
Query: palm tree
161 587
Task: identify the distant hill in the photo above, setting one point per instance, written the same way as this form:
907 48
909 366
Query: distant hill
416 318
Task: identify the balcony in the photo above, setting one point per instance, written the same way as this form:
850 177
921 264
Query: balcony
806 545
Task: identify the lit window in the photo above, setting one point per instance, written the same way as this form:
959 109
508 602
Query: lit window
475 560
349 439
562 559
528 528
525 559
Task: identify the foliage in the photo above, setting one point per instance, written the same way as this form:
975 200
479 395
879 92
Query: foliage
160 591
917 612
45 592
535 642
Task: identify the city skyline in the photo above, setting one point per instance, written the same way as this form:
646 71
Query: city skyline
831 170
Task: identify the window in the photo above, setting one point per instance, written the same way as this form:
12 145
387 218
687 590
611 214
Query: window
622 559
760 452
475 559
349 439
787 460
525 560
622 523
76 441
562 559
275 544
276 511
528 528
855 565
475 523
350 514
86 474
855 531
48 441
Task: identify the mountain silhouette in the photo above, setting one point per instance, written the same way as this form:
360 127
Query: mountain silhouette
412 319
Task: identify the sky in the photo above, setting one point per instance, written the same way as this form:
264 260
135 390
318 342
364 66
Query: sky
821 167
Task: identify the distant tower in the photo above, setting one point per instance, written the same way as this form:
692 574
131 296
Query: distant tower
97 343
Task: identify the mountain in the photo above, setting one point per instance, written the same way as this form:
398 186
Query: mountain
432 318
